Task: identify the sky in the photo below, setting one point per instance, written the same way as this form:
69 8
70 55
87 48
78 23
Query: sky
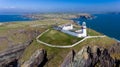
59 5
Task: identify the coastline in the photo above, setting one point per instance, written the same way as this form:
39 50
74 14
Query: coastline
115 39
73 19
1 23
14 18
107 24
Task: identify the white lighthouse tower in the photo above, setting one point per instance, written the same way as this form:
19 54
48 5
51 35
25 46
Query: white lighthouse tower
82 32
84 29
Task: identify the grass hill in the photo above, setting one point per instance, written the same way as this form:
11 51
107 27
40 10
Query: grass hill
56 55
55 37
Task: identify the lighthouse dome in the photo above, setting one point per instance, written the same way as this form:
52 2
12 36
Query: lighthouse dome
84 24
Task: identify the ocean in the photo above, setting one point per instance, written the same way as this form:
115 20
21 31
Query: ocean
12 18
107 24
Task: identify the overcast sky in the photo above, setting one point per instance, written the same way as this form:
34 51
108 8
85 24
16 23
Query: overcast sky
59 5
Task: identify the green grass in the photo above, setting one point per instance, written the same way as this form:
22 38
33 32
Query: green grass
58 38
10 36
7 28
92 32
56 55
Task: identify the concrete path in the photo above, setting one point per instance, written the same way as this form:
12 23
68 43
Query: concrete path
69 46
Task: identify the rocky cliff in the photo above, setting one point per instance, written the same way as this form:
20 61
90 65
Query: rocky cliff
84 16
8 56
90 57
36 59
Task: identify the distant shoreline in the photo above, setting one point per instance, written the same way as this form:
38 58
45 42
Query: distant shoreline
91 23
14 18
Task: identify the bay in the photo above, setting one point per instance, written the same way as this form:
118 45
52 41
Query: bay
12 18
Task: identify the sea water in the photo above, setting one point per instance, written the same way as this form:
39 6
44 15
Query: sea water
107 24
11 18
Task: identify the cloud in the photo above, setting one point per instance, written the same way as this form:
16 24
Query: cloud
9 7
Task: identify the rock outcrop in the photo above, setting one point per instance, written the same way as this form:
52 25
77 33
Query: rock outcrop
68 59
9 55
36 59
90 57
115 48
115 53
85 16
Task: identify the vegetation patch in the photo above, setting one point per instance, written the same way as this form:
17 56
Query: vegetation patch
12 33
91 32
58 38
56 55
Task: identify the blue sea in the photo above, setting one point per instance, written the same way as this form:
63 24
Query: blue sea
12 18
107 24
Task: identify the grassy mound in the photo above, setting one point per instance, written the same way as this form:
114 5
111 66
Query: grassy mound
58 38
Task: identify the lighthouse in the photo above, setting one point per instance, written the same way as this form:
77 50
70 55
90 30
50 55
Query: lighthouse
84 29
69 29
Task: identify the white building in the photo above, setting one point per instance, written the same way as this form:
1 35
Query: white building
67 27
79 33
83 31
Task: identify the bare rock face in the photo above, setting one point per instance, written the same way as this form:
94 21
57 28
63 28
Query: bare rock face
91 57
9 57
12 54
115 51
36 59
85 16
68 59
115 48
